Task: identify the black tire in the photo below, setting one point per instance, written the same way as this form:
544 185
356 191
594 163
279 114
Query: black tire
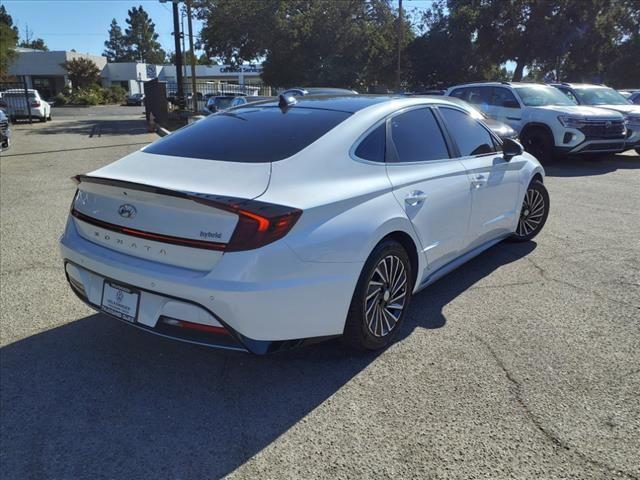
42 119
531 218
364 330
638 151
539 143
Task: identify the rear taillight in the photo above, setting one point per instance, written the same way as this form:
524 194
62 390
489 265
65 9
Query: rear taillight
35 103
259 223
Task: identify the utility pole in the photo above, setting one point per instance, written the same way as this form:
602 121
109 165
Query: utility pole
176 38
193 58
400 34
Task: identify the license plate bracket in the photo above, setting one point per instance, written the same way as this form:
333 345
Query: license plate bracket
120 301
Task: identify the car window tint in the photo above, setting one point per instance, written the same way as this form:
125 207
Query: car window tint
417 137
502 97
373 146
249 134
471 137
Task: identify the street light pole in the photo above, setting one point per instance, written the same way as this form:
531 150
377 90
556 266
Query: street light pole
178 62
400 34
193 58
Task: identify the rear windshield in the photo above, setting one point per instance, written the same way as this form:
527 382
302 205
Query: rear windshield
249 134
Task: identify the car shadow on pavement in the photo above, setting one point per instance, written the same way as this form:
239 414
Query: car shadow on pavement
582 167
427 306
94 128
97 399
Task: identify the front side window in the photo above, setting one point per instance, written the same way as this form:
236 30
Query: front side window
471 137
417 137
249 134
502 97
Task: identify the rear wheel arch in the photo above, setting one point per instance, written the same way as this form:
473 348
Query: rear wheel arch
410 247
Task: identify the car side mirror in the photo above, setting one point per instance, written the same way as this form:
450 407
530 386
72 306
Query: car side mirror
510 104
511 148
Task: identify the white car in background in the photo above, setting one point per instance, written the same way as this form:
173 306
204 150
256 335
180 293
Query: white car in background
17 108
322 224
549 124
606 97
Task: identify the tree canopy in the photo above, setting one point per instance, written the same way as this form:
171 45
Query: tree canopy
141 37
8 41
351 43
586 40
82 72
37 44
138 43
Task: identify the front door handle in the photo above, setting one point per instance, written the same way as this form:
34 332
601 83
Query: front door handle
415 198
478 181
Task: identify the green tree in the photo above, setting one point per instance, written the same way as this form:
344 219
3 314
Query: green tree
36 44
116 49
350 43
141 37
8 42
82 72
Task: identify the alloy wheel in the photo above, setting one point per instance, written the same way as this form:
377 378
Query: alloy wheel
386 296
531 214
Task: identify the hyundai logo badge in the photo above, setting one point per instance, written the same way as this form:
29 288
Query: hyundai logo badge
127 211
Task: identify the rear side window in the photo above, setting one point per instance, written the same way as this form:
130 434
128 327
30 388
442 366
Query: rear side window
471 137
249 134
417 137
373 146
501 97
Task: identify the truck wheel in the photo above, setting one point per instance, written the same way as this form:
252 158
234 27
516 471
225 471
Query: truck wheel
539 143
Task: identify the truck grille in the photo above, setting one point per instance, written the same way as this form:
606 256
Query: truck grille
603 129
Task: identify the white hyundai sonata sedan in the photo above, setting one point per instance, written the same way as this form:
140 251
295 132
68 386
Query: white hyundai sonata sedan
279 223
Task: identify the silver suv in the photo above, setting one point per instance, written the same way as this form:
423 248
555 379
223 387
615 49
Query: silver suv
549 124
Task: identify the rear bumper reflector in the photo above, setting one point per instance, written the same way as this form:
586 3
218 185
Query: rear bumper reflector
158 237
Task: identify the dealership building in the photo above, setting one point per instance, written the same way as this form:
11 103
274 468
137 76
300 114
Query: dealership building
44 72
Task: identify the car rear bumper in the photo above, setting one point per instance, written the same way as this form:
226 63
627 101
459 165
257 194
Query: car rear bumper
259 301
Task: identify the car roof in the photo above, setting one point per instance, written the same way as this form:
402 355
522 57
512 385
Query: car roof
354 103
500 84
578 85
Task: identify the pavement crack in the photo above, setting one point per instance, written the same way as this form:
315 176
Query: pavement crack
554 439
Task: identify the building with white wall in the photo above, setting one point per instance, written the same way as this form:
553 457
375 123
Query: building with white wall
44 72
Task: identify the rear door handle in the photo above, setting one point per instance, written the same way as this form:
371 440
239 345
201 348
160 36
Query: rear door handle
415 198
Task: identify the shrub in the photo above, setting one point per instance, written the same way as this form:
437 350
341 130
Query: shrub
61 99
114 94
91 95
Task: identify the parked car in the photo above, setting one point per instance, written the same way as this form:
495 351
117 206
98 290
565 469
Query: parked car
17 108
281 223
605 97
302 91
237 101
632 96
5 131
502 130
549 124
135 99
218 103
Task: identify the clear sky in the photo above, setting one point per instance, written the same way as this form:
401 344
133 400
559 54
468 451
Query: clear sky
83 25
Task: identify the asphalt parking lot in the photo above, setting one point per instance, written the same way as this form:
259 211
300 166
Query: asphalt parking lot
524 363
